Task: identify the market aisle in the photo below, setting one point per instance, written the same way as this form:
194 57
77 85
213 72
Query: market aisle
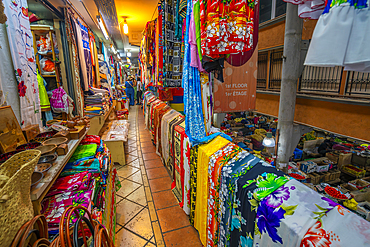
147 211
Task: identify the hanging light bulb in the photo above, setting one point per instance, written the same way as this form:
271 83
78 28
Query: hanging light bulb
125 27
268 141
128 53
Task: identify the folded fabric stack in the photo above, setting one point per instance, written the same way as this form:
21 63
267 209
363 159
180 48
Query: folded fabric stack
97 102
82 182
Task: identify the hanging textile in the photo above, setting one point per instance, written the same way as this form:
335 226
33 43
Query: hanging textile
195 128
226 27
284 217
83 41
167 118
76 62
171 56
178 153
159 48
193 182
309 9
206 101
216 163
204 153
339 38
186 184
22 52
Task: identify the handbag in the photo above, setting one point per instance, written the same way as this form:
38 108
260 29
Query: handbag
59 101
15 202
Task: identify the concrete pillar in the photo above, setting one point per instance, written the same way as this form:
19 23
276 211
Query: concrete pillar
288 90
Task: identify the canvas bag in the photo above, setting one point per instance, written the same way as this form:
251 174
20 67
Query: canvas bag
59 101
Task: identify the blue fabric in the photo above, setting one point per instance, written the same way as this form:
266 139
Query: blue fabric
130 92
194 121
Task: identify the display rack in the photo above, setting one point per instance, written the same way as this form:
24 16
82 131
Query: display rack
40 190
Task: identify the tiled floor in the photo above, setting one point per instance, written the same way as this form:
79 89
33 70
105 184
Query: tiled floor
147 211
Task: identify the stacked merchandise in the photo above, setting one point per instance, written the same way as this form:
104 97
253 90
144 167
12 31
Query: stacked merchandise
88 180
97 102
234 198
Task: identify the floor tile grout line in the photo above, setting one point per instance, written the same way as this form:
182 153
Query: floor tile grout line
135 202
177 229
133 217
135 233
166 207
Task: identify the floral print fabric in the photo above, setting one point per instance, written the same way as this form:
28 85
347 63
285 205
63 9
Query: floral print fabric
204 153
259 182
79 181
226 27
22 53
284 217
217 161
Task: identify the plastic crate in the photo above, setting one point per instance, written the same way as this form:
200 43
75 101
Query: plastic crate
298 154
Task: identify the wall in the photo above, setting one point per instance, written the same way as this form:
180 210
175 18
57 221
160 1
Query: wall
342 118
273 35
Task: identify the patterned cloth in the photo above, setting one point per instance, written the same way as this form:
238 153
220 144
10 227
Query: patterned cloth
22 53
204 153
79 181
193 182
226 27
259 182
284 217
84 151
167 118
186 185
217 161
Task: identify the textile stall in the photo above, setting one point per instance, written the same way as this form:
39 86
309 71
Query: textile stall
234 198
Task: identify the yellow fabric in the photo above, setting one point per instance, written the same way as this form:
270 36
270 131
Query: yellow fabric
204 152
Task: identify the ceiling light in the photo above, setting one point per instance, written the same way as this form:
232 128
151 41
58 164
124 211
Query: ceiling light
102 27
114 50
268 141
125 27
128 54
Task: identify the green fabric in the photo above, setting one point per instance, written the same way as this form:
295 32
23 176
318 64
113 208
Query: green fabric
196 10
83 151
44 98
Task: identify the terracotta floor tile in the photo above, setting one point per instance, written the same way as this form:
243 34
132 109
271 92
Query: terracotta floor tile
149 164
166 219
125 238
150 156
126 210
157 173
127 188
138 196
164 199
148 149
146 144
160 184
141 225
187 236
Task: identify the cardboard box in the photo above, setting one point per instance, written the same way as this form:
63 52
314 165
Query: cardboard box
322 167
308 166
364 207
341 159
359 184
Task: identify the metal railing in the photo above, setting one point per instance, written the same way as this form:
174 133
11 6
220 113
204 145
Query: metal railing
276 66
324 79
358 83
262 69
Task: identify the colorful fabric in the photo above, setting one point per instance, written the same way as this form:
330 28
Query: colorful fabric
193 182
284 217
204 153
158 133
230 173
171 55
178 152
216 163
171 161
79 181
226 27
259 182
186 183
159 48
22 52
84 151
165 142
86 164
53 207
326 232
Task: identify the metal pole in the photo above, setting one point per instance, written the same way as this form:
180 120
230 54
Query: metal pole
290 73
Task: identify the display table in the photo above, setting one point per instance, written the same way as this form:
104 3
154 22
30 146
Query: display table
96 123
38 192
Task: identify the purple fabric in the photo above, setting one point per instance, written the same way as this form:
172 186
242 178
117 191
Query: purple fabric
194 56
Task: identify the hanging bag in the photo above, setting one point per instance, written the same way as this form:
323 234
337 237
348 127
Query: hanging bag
59 101
28 229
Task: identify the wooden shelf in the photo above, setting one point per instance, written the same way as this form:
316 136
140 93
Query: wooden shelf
48 75
38 193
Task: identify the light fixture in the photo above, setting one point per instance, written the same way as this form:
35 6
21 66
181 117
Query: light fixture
125 27
102 27
269 141
128 53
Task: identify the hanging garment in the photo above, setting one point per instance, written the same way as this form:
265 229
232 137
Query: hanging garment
226 27
206 101
339 39
204 153
284 217
43 95
309 9
352 230
167 118
216 163
21 48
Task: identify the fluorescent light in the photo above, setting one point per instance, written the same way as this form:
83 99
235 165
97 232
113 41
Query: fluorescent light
129 54
102 28
125 27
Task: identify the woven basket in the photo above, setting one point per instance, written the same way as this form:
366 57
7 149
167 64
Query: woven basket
15 202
